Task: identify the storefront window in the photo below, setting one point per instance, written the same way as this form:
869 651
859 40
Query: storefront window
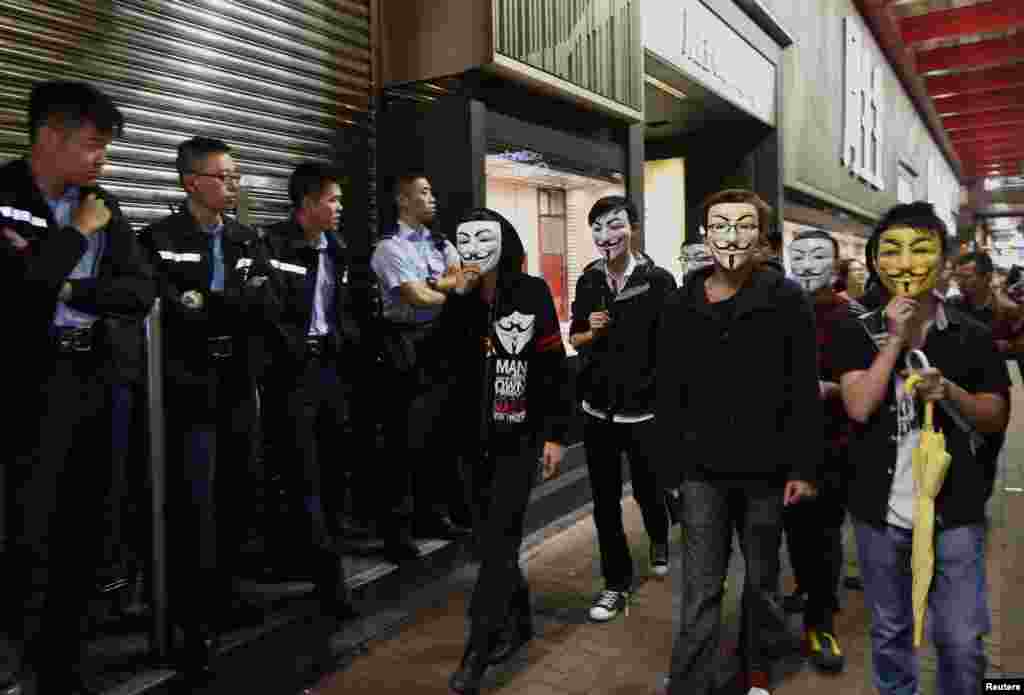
548 202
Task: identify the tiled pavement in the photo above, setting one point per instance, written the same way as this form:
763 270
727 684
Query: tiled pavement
624 657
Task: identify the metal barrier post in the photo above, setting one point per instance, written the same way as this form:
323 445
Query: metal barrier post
160 635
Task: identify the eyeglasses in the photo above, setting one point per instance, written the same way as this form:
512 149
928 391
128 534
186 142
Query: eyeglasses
741 227
236 179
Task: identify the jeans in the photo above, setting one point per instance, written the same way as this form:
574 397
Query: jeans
957 617
604 443
711 510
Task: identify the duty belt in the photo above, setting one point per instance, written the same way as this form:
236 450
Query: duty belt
220 347
73 340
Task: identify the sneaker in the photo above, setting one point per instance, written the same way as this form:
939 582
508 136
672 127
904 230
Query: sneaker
659 559
608 604
822 648
758 683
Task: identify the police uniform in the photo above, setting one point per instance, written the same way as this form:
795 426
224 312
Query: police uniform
62 361
213 355
314 347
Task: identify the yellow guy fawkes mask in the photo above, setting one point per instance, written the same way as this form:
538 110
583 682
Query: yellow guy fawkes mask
908 260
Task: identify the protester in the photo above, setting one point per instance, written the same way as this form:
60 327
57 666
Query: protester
747 391
969 384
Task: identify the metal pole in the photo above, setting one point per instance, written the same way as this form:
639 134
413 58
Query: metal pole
160 635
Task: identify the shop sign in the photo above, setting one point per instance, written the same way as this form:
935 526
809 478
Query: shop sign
694 39
863 107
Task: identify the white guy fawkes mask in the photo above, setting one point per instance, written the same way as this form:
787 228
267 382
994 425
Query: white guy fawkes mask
733 234
611 234
479 241
812 263
694 257
514 331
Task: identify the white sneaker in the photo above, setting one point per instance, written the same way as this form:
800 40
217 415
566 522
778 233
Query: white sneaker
758 691
608 604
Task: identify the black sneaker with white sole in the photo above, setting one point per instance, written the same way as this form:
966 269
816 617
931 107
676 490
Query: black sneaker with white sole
608 604
659 559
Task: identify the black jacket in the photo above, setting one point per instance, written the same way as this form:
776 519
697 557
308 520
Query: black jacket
739 398
617 370
966 355
180 250
297 264
527 374
120 295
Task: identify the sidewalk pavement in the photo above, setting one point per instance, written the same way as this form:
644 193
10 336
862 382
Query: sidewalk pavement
571 656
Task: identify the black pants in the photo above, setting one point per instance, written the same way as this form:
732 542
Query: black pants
507 474
814 538
710 512
417 459
604 443
56 493
307 413
210 430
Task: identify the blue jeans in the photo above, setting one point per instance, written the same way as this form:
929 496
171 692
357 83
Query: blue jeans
957 616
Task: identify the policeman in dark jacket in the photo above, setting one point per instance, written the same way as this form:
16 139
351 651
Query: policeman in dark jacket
314 344
69 269
212 276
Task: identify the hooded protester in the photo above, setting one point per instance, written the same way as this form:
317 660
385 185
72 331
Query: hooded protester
693 255
968 380
507 346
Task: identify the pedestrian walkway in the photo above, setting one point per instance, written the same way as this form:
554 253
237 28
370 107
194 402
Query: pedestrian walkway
574 657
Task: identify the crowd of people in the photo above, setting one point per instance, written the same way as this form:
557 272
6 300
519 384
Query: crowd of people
744 400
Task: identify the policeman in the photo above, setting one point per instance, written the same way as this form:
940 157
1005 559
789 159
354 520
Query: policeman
315 344
418 269
212 274
70 267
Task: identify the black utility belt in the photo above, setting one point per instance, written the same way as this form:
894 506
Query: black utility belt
317 347
220 347
74 340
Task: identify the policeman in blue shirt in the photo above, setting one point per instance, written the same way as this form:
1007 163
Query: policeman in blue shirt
418 269
212 273
69 267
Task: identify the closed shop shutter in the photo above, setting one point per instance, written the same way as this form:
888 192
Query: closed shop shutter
279 80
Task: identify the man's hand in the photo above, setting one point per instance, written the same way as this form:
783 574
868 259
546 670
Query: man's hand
65 293
899 314
91 216
193 299
932 387
797 490
553 453
470 277
599 322
17 242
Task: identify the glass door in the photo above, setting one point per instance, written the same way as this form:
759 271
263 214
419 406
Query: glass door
552 244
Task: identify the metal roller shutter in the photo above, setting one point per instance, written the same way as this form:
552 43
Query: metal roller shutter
279 80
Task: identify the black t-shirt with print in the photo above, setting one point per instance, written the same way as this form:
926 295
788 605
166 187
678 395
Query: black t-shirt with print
966 355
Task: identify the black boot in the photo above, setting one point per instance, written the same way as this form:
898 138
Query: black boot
466 680
518 628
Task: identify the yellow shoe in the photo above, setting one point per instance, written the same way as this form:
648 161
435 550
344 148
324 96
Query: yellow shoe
822 648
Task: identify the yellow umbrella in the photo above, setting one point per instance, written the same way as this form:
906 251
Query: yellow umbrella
930 464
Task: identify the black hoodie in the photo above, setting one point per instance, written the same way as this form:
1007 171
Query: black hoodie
738 397
527 372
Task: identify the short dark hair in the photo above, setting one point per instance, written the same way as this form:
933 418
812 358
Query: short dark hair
614 203
72 105
919 215
405 179
740 195
191 153
982 261
818 234
309 178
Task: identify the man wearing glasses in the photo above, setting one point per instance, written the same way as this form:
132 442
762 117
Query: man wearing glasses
212 275
743 412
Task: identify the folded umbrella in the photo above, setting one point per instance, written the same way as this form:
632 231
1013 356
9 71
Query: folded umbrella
930 465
